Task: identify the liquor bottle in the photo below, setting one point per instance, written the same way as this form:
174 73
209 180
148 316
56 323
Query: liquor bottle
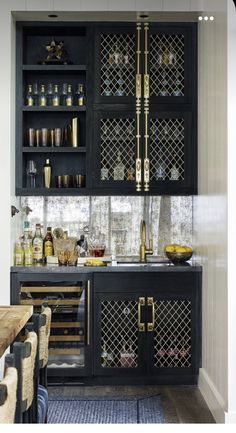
48 243
104 171
126 55
118 57
64 94
50 94
164 86
19 254
119 169
160 168
42 96
80 97
38 245
69 96
47 174
111 56
56 96
29 96
36 93
174 171
177 91
172 60
104 356
26 234
28 253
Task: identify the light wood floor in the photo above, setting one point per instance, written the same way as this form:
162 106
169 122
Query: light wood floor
181 404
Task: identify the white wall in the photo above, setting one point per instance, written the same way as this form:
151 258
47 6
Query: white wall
231 414
210 207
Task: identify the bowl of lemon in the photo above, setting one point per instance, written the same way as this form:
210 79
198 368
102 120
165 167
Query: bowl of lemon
178 253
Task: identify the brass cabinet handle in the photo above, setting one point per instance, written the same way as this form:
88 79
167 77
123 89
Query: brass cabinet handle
141 325
150 325
138 163
146 93
88 312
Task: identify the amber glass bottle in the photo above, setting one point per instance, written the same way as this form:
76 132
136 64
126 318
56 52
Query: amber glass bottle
48 243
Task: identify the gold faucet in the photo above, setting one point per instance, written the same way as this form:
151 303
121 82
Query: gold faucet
144 251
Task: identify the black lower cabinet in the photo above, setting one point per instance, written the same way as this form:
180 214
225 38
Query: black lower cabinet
118 327
147 328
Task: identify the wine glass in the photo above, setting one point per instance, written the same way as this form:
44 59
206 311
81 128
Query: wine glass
31 171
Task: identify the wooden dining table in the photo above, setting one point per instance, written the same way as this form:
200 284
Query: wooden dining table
12 319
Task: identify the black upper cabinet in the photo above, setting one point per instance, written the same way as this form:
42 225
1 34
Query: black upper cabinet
132 139
146 133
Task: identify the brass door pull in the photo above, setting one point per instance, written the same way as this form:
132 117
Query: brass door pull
151 325
141 325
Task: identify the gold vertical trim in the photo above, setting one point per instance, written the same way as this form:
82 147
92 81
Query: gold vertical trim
138 95
146 93
141 325
88 312
150 325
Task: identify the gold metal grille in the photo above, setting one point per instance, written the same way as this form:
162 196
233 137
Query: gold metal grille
172 335
118 65
166 149
117 149
167 65
119 333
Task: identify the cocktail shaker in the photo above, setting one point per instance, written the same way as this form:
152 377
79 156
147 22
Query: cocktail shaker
47 173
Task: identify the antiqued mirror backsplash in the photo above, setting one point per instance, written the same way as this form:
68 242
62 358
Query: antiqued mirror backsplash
169 219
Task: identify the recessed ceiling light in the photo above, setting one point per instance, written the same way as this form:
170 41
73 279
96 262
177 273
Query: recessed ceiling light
144 16
52 16
212 18
200 18
206 18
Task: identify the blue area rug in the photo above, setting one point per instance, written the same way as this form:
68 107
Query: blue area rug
106 410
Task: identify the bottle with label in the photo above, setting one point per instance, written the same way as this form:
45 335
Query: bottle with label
69 96
26 234
48 243
29 96
19 254
119 169
47 174
38 245
28 253
82 246
56 96
42 96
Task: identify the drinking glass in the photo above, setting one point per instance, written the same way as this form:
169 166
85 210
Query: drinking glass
31 172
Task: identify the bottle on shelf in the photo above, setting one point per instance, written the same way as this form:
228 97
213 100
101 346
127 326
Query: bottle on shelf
26 234
47 174
42 96
38 245
119 169
104 171
69 96
28 253
164 86
29 96
172 60
104 355
82 246
111 56
48 243
18 254
80 96
36 93
118 57
50 94
126 56
161 167
178 91
56 96
174 172
64 94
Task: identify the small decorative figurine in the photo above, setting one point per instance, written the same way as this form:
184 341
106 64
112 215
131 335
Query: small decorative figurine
57 53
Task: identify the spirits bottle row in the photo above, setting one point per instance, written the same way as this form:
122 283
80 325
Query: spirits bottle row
55 95
119 56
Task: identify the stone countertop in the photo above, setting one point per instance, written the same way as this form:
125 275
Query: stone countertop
121 267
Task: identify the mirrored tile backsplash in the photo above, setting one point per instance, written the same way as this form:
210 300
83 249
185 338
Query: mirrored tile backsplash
169 219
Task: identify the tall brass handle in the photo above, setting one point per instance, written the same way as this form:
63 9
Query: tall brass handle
88 312
150 325
141 325
138 95
146 94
